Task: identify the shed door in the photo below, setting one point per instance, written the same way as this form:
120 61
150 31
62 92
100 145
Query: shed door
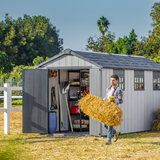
95 88
35 100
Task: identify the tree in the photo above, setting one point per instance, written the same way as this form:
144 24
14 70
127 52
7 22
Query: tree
129 43
39 60
26 38
156 59
125 45
103 24
106 43
16 73
155 14
101 44
118 46
5 65
150 46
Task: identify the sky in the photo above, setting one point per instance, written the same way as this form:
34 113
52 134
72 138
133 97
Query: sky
76 20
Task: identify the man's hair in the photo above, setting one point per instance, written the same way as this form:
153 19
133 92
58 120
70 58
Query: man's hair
115 76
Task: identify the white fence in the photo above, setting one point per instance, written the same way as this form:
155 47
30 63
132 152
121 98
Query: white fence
8 105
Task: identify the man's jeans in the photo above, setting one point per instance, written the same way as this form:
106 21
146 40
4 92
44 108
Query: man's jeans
111 131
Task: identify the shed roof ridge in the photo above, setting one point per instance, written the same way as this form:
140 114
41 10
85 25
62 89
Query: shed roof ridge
90 52
111 54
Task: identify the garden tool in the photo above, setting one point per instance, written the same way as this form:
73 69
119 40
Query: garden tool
53 99
60 105
66 88
65 91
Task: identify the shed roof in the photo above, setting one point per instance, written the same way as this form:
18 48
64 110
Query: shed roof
108 60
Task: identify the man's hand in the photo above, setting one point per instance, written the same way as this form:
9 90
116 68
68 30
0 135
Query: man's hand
112 98
116 101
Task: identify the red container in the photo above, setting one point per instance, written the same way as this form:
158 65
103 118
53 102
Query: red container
75 109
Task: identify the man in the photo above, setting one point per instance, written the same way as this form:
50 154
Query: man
117 92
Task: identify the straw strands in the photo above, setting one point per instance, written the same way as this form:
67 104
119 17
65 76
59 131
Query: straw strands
101 110
156 123
158 113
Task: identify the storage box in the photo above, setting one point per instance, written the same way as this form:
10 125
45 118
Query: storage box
75 109
84 81
78 126
83 121
75 83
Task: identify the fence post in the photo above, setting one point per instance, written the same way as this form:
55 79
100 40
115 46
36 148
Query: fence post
7 105
11 82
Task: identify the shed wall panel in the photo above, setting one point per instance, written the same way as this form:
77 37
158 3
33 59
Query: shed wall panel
62 61
75 61
125 103
68 60
56 63
133 109
87 63
140 106
148 99
81 62
95 89
142 111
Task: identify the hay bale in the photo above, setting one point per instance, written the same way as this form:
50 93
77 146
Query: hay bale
101 110
158 126
158 113
154 125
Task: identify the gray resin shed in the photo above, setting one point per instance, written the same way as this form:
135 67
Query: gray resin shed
139 77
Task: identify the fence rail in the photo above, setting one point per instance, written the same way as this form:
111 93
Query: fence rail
8 105
20 97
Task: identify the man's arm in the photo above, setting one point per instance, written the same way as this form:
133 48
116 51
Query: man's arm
119 97
106 94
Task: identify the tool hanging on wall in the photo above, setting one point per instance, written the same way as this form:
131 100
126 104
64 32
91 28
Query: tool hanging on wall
60 105
53 99
52 73
65 91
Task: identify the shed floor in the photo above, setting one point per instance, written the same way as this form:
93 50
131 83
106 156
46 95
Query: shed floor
69 133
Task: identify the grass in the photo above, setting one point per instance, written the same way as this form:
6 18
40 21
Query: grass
17 102
17 145
14 103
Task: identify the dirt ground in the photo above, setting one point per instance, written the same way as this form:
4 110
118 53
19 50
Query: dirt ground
144 145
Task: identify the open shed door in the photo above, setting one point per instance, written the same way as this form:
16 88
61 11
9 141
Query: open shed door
95 87
35 100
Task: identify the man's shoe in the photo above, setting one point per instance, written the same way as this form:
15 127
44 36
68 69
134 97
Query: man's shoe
108 142
115 138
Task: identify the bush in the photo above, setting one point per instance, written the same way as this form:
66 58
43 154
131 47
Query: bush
17 102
